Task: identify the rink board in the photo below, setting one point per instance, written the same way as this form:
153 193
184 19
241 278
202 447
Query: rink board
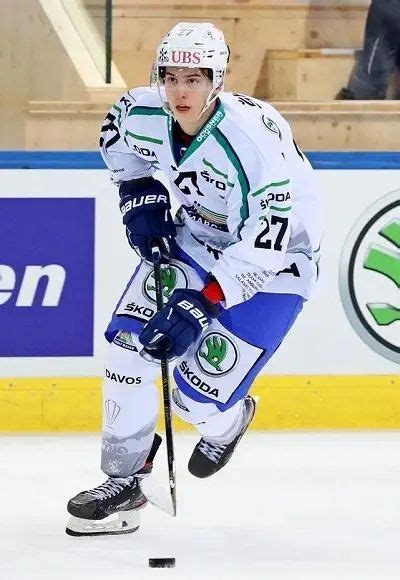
329 373
285 402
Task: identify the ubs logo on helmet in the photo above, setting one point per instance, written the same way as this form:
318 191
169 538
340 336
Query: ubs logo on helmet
185 57
217 354
172 277
370 276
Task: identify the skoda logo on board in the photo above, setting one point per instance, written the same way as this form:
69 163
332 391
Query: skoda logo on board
370 276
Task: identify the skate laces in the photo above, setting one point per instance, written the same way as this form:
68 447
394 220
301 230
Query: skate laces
213 451
111 487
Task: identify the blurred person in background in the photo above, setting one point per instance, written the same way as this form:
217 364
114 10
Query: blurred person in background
380 55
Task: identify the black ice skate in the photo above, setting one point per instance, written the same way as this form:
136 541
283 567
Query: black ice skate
112 507
209 457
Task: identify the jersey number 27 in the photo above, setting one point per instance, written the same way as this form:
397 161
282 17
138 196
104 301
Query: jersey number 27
264 241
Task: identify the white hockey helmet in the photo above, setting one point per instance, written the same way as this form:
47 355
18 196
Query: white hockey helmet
194 45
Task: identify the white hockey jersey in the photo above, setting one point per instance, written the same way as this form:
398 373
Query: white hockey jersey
250 210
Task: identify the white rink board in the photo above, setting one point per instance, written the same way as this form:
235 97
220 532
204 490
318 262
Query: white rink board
322 341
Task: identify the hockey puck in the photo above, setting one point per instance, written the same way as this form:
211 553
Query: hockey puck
162 562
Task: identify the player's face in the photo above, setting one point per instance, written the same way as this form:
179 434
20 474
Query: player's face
187 90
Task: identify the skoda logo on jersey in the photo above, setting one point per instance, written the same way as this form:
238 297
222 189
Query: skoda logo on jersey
272 126
172 277
370 276
217 354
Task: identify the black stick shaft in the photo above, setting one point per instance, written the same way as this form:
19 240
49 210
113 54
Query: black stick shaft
165 383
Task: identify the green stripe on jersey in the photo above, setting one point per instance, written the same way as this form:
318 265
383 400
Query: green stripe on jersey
147 111
274 207
144 138
217 171
242 177
276 184
119 114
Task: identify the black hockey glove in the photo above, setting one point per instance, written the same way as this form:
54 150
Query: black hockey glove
145 205
178 325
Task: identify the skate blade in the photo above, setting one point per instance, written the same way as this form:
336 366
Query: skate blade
119 523
157 495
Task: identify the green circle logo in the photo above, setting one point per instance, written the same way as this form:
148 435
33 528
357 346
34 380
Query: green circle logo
369 277
217 354
172 276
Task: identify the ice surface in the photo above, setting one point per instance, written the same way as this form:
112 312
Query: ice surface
294 506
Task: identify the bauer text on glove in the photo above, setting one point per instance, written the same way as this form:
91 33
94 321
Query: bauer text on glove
178 325
145 208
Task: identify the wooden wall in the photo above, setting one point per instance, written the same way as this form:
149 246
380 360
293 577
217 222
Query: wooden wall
32 65
294 53
256 30
35 65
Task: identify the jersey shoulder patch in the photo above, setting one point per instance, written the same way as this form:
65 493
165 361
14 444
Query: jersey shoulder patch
121 109
139 97
258 119
146 97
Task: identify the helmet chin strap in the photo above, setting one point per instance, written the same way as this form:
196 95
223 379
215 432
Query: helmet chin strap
163 100
210 99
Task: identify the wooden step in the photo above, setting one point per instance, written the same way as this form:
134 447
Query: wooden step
304 75
344 125
251 27
342 107
49 50
65 125
317 126
310 75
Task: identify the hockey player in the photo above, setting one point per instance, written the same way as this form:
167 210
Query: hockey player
240 259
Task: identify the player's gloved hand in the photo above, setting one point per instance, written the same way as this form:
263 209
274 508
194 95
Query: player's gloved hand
179 324
145 205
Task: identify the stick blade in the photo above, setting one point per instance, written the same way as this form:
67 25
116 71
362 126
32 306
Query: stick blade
159 496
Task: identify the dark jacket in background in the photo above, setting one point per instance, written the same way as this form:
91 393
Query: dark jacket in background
380 55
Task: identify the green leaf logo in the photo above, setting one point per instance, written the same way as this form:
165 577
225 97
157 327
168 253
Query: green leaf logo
369 278
217 354
172 276
216 351
168 281
386 263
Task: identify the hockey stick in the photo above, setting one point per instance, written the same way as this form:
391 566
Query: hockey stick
157 495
